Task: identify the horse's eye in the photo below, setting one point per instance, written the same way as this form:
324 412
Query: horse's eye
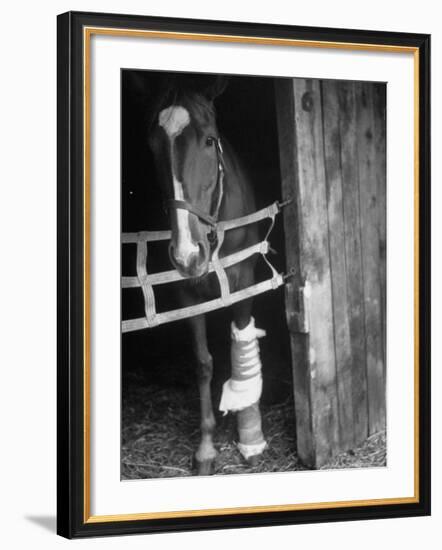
209 141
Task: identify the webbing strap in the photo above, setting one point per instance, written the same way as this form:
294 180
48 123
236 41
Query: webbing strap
220 272
149 296
217 265
163 277
269 230
267 212
150 236
205 307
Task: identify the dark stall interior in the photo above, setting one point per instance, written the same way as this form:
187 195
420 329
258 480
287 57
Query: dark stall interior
161 360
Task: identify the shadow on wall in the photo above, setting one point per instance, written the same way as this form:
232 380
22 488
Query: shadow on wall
48 523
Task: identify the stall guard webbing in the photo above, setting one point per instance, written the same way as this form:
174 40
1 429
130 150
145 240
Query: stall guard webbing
217 265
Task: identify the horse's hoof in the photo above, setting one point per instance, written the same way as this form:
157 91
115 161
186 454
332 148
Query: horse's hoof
204 467
254 460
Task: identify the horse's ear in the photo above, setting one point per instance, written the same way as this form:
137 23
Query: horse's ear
217 87
147 91
138 85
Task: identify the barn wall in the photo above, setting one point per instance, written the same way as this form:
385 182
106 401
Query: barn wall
332 151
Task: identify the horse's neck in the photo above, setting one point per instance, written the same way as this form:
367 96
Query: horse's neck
238 199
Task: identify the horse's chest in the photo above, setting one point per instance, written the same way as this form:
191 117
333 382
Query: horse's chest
206 288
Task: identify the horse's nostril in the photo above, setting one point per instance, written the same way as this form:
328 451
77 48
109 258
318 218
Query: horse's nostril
193 263
203 248
203 252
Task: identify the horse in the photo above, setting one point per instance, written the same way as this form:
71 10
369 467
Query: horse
203 182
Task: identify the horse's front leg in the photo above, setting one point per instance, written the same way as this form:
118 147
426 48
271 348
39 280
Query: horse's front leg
206 453
242 392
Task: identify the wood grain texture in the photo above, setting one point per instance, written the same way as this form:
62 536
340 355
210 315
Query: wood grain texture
353 255
305 437
370 256
380 106
332 151
315 265
338 261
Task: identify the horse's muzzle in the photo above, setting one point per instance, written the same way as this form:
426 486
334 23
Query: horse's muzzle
193 264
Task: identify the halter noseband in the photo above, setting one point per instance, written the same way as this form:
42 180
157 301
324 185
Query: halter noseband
208 219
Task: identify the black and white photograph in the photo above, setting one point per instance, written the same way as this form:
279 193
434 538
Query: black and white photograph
253 274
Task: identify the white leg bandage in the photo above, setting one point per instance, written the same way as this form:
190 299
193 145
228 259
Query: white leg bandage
251 438
242 391
245 385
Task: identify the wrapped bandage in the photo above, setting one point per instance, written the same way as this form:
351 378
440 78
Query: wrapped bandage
251 438
244 387
242 391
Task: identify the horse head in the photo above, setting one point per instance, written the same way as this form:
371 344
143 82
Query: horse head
187 150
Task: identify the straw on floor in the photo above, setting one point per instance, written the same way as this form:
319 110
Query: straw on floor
160 434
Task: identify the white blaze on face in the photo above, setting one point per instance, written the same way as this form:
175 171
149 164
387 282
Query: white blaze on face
173 120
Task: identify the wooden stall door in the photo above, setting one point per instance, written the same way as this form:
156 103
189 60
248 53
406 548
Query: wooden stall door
332 153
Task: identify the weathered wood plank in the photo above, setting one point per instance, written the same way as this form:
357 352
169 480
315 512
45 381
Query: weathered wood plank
315 265
305 437
370 256
335 209
332 151
353 255
381 177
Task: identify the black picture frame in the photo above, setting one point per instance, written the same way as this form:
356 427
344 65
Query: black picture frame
72 513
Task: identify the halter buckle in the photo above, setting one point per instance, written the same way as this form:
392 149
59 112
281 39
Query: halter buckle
212 237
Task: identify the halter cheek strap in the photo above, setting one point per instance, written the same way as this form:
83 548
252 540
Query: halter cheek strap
184 205
208 219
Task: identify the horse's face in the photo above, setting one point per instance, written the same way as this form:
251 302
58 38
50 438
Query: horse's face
184 145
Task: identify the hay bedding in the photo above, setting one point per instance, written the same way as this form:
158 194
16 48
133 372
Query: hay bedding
159 438
161 433
371 454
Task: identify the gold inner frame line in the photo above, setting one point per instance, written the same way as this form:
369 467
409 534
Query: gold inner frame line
87 33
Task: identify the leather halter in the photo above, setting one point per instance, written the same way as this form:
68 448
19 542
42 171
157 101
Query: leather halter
207 218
